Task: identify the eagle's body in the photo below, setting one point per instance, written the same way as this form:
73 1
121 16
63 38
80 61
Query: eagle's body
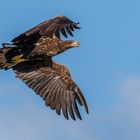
30 56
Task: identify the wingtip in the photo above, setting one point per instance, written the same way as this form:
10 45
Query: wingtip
87 111
86 108
76 26
66 117
78 23
80 118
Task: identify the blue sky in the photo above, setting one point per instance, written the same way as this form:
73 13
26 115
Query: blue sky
106 67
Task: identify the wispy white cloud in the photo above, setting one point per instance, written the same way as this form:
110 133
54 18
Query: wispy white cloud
124 119
24 116
130 98
120 120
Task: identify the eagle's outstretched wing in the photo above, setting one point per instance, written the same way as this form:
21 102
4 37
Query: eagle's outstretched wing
54 26
54 85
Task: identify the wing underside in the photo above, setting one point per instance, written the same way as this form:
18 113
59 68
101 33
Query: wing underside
54 86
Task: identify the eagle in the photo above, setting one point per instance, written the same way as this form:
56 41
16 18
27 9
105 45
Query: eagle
30 54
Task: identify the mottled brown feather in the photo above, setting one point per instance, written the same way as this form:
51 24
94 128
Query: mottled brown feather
54 84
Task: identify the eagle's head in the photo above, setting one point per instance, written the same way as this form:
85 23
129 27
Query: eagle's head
63 45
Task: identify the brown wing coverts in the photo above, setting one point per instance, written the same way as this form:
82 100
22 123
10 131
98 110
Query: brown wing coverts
55 26
57 89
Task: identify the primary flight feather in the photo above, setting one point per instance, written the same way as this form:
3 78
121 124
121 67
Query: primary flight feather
30 56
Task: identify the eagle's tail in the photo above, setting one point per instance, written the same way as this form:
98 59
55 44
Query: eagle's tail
9 56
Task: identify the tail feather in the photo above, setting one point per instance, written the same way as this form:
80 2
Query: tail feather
4 59
4 64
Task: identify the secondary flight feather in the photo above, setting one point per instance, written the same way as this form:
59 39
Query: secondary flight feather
30 56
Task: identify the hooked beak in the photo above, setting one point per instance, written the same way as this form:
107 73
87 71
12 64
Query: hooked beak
75 44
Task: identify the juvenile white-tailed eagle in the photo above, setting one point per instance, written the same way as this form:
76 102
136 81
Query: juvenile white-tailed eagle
30 56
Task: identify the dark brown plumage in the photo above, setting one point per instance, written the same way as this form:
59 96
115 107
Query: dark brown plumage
30 56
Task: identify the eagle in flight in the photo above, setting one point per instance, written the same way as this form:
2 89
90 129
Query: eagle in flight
30 54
